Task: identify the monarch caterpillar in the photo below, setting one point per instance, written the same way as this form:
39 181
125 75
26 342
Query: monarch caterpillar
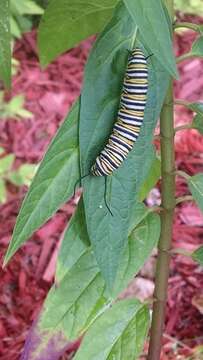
130 116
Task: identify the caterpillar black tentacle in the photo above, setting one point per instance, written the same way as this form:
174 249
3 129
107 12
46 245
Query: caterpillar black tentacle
130 116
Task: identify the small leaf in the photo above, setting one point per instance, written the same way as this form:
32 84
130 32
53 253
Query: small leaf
5 43
23 175
196 107
198 255
14 108
188 6
52 185
196 187
197 47
5 163
151 20
70 21
197 123
151 180
26 7
119 333
15 29
2 191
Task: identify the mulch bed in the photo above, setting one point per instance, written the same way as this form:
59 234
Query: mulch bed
27 279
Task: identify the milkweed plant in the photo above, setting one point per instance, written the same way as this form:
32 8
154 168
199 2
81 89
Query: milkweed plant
102 250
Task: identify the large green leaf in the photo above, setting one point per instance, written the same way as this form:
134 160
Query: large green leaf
152 22
5 45
52 185
196 187
79 295
143 235
67 22
119 333
99 106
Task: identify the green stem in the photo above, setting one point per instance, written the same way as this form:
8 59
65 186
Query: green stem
184 198
181 102
183 174
168 205
183 127
180 251
184 57
187 25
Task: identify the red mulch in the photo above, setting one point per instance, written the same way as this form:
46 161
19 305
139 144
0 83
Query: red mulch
26 280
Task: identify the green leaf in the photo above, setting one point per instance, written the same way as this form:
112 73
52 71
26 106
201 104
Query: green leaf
198 255
14 108
15 29
99 106
120 333
152 178
197 107
75 243
2 191
143 235
191 7
52 185
23 175
5 45
197 47
196 187
66 309
141 242
151 20
25 7
197 123
67 22
5 163
79 295
1 150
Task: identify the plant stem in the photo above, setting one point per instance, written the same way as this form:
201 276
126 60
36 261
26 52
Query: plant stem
180 251
183 127
187 25
168 206
184 57
182 174
181 102
181 199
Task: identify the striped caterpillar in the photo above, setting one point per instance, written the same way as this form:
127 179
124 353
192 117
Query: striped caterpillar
130 116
